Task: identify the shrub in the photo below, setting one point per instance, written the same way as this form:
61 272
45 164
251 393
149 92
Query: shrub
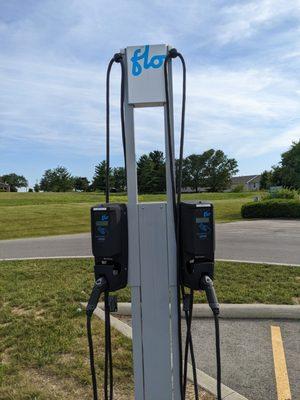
238 189
276 208
282 194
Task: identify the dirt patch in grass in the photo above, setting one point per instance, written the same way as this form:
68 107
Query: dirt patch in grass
58 388
19 311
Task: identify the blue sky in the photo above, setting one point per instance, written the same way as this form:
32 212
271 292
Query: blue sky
243 61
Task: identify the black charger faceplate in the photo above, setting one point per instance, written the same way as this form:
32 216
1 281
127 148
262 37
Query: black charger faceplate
109 229
197 242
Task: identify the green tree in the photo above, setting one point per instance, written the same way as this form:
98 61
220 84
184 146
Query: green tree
158 171
194 170
36 188
219 170
290 167
99 179
144 168
119 178
266 180
276 176
81 183
57 179
15 181
151 172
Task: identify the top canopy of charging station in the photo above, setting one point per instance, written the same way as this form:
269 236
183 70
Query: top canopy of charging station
145 75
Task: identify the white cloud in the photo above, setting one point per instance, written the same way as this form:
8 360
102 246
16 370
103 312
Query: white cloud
266 145
242 20
52 74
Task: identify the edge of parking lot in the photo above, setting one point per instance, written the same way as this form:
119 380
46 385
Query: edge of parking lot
236 311
207 382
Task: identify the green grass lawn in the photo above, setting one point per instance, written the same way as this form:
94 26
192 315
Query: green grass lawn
43 346
39 214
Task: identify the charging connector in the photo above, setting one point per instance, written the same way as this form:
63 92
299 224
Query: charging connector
207 284
99 287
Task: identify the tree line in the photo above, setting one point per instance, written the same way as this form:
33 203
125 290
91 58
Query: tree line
286 173
211 170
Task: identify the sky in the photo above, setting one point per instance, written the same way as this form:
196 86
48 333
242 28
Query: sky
243 87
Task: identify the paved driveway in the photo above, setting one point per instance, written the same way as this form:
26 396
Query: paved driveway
260 240
275 241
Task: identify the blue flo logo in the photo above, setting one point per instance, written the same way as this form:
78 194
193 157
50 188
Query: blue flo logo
141 60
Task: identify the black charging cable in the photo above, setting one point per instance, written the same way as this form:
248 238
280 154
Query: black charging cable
119 59
173 53
99 287
207 285
94 298
189 344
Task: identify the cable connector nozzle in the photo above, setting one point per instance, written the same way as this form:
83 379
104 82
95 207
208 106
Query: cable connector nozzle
207 284
173 53
99 287
118 57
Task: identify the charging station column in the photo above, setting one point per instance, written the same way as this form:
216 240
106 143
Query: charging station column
152 244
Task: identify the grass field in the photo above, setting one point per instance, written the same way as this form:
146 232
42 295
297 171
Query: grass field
43 346
42 214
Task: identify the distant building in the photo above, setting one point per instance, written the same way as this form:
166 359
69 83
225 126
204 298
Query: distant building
249 182
4 187
188 189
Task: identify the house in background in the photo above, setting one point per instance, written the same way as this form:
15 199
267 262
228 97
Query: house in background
249 182
4 187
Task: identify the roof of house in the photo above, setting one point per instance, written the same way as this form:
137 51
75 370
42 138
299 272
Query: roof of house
243 180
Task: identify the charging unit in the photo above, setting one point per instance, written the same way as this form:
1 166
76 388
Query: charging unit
197 242
110 244
158 249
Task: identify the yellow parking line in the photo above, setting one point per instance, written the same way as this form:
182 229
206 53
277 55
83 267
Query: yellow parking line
281 374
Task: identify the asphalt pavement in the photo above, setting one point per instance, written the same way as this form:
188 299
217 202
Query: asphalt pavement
247 355
274 241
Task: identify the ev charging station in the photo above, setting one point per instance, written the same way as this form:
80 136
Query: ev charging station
152 251
155 248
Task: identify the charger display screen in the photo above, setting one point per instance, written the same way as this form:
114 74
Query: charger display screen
203 225
102 226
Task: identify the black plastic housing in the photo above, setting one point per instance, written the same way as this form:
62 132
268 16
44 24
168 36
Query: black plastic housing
197 242
110 243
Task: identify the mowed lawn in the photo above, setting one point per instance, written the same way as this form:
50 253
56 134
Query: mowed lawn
43 346
42 214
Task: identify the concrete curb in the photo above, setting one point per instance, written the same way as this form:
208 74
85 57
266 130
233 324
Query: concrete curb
258 262
208 383
236 311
